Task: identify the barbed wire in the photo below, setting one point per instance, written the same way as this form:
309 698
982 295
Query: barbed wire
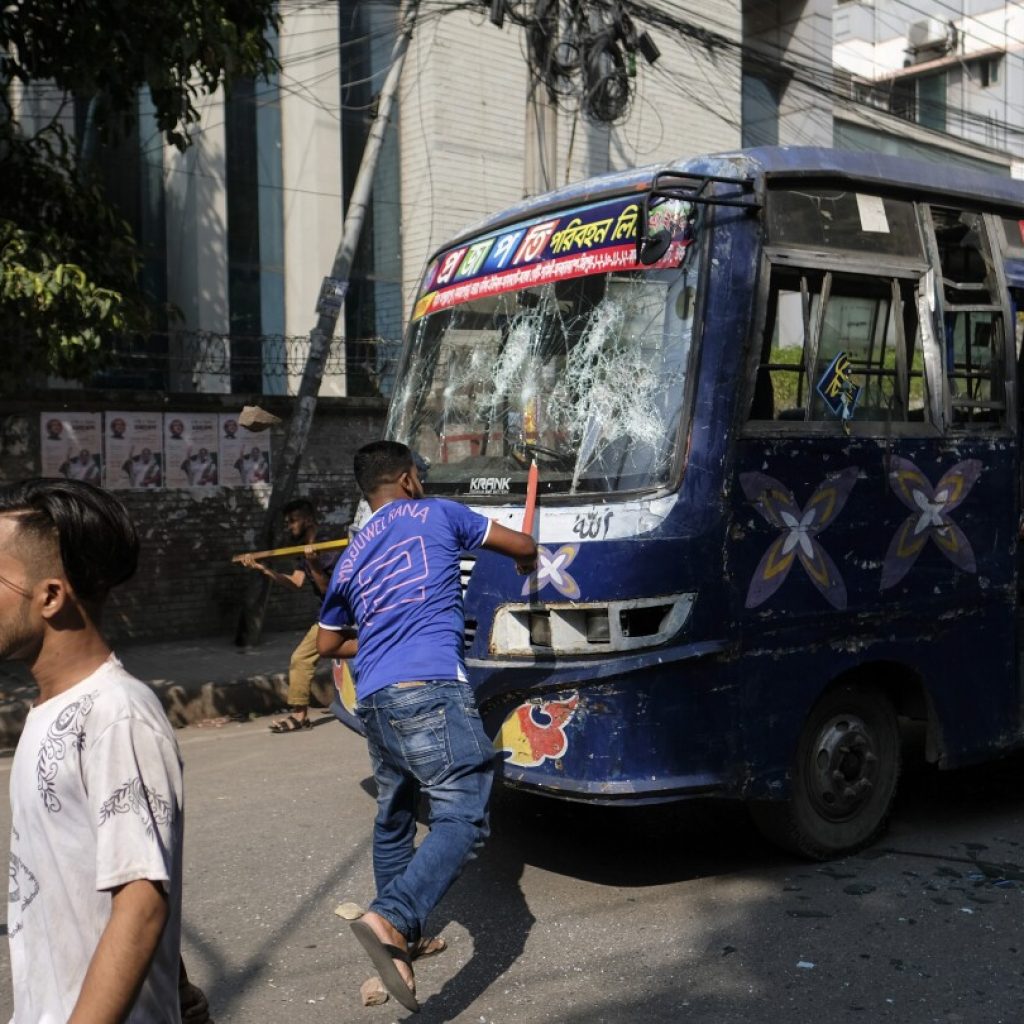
207 360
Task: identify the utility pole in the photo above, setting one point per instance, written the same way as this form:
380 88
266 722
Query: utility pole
332 295
598 135
541 152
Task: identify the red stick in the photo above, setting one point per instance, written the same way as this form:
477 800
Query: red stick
531 498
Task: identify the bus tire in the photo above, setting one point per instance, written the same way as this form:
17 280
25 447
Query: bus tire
844 777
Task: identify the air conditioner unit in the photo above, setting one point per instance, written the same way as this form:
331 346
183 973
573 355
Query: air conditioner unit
931 34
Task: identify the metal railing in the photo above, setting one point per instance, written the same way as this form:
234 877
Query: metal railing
203 361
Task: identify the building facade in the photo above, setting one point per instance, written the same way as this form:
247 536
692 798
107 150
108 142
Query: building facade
240 229
932 78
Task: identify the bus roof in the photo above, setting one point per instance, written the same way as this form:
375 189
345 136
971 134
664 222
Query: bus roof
773 162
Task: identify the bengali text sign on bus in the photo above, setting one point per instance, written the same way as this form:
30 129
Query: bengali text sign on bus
596 239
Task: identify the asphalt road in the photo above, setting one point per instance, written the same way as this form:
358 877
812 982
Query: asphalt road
581 915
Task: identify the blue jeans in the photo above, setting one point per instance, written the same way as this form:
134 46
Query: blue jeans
425 737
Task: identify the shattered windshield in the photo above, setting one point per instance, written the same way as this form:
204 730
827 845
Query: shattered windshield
585 375
549 342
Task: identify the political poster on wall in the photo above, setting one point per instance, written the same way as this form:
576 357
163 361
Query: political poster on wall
71 445
190 449
244 454
133 450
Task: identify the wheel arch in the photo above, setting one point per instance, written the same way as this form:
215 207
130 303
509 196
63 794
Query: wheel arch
906 688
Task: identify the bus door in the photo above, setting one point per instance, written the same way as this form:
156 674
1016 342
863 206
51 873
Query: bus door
877 404
978 381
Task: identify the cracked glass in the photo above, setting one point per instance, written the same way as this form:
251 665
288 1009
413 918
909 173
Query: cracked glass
586 376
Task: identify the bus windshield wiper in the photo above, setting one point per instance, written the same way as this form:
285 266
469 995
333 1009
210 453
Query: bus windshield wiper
524 452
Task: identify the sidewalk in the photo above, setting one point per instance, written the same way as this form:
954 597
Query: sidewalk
194 679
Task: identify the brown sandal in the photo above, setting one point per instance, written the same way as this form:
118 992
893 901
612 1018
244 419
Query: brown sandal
291 724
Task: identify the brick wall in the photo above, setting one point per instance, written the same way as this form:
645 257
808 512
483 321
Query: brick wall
186 585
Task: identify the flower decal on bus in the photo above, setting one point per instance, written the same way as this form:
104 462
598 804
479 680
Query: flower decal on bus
799 538
551 569
929 508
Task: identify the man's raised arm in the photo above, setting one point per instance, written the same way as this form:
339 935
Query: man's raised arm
514 543
295 580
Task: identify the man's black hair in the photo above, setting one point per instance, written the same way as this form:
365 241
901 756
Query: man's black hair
299 505
99 547
380 462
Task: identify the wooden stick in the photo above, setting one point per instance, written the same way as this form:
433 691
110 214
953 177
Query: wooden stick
531 498
324 545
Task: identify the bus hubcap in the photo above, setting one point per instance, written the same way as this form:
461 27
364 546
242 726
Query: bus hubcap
844 767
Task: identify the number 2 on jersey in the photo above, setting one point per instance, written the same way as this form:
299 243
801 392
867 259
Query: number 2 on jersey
391 578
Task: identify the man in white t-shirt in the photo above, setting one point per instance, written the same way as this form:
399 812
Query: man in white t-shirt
94 915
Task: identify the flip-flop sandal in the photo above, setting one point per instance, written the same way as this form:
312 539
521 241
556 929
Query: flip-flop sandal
383 956
291 724
427 946
192 1001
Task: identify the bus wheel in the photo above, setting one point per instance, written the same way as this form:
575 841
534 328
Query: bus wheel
844 778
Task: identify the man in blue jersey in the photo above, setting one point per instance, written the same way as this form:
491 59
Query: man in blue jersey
398 585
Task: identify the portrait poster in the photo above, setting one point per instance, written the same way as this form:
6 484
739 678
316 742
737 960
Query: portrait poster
244 454
133 450
71 446
190 449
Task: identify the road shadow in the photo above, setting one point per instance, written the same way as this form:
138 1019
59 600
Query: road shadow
492 882
613 846
629 846
659 845
229 983
491 879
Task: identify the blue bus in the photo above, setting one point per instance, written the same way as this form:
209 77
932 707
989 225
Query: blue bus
772 396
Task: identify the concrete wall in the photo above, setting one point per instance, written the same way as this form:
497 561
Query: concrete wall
796 33
186 585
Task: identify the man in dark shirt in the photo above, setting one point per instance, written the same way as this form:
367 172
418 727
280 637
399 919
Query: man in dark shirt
301 524
398 584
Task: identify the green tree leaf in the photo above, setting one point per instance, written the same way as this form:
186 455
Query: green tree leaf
68 262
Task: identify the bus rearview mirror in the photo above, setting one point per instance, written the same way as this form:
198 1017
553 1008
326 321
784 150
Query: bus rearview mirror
654 248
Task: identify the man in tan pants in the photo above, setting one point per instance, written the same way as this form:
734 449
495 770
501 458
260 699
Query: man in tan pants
300 522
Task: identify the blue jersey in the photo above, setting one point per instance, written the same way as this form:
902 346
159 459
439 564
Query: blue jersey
398 583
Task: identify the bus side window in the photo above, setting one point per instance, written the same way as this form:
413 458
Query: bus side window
972 319
872 321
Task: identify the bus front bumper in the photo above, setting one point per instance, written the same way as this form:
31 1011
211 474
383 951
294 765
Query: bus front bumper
630 729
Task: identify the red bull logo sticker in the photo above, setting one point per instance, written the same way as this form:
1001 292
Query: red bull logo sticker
344 684
535 731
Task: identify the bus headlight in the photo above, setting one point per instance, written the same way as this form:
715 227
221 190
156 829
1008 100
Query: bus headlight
591 628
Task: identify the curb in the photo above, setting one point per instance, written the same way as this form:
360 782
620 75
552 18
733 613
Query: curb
188 703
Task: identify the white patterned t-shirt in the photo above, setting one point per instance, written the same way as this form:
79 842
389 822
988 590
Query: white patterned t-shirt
96 802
